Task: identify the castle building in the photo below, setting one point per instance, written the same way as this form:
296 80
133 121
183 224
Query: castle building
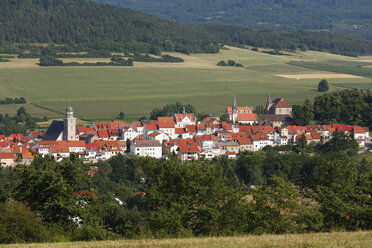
62 130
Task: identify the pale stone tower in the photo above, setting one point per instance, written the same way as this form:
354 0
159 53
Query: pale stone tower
234 111
69 130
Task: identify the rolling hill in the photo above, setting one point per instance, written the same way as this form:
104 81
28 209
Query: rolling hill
80 21
346 16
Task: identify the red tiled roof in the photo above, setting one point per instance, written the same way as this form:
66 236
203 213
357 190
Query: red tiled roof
179 117
191 128
102 133
113 132
150 127
244 141
76 143
231 153
280 103
6 155
358 129
60 148
165 119
82 129
167 124
3 144
190 148
137 123
180 131
241 110
247 117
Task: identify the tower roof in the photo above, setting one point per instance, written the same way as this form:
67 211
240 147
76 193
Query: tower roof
69 108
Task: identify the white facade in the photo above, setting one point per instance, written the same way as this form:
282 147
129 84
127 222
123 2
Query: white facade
69 130
143 148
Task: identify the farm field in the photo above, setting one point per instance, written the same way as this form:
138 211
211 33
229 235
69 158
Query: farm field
100 93
339 240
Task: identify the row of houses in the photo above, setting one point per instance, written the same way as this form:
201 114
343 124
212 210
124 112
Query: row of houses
180 135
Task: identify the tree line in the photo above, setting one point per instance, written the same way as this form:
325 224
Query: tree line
351 106
278 190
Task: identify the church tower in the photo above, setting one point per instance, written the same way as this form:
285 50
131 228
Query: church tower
269 103
234 111
69 130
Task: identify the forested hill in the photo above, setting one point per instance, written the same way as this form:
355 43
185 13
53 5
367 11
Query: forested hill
80 21
346 16
106 27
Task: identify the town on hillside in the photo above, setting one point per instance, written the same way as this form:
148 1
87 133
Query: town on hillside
180 134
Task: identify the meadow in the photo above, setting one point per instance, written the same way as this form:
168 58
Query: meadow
319 240
101 93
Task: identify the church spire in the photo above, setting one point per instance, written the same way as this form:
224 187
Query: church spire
234 105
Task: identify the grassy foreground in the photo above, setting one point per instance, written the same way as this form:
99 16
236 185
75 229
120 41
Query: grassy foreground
101 93
339 239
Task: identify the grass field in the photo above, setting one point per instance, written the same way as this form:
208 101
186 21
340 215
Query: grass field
100 93
339 240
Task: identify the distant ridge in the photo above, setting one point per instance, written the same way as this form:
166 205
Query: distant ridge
118 29
346 16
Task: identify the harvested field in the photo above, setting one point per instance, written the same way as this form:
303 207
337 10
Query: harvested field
317 76
365 60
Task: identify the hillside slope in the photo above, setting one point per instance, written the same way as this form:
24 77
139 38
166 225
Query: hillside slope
347 16
81 21
77 21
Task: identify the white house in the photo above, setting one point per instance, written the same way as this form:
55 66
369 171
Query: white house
182 120
147 148
129 132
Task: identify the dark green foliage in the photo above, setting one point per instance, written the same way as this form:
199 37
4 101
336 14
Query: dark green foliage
16 100
17 124
121 115
164 58
50 61
353 107
115 61
229 63
95 28
340 142
346 16
171 109
18 224
292 193
99 27
323 86
303 115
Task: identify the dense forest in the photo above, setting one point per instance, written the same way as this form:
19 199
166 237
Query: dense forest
351 106
296 190
92 27
346 16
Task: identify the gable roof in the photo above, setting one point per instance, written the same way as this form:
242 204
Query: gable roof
241 110
54 131
280 103
147 143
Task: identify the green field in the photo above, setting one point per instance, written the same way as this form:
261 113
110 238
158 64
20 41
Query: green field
320 240
100 93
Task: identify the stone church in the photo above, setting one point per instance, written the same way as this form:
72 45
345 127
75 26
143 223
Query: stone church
63 130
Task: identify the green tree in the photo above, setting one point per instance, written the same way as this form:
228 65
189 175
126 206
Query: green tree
19 224
280 208
121 115
323 86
